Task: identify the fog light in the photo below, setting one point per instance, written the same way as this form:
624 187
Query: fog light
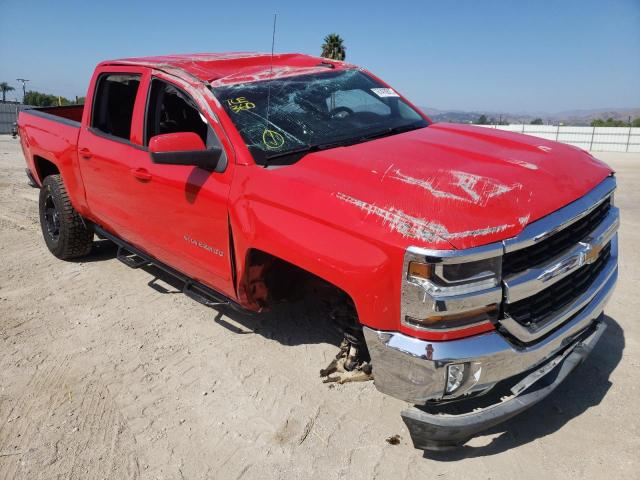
455 375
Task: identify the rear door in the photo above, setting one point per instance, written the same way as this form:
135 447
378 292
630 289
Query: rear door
107 153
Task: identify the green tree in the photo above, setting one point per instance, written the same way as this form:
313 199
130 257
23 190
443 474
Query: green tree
333 47
536 121
40 99
636 122
482 120
5 87
609 122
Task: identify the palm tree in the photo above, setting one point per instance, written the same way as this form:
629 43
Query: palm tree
333 47
5 87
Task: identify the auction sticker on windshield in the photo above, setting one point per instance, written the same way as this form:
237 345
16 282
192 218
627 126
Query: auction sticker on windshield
384 92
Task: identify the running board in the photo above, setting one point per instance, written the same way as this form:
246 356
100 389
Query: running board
135 258
130 259
30 180
199 294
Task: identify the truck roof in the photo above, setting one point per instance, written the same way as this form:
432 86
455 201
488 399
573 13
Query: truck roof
234 67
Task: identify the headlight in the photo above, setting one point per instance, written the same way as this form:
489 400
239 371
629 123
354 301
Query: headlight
456 278
451 292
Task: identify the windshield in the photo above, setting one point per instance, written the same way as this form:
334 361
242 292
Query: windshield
281 120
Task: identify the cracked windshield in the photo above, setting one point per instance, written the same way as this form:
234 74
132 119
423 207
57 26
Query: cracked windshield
283 119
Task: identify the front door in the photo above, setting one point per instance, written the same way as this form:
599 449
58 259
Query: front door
185 207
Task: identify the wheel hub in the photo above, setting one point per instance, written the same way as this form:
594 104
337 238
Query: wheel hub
52 218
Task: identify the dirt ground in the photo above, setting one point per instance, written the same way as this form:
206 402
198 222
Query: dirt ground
102 376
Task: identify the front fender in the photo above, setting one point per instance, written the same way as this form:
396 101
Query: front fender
357 265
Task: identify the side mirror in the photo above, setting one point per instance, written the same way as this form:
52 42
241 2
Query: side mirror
183 148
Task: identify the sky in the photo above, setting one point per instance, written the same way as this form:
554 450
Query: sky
498 56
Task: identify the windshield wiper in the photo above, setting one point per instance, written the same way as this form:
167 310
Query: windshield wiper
393 131
314 148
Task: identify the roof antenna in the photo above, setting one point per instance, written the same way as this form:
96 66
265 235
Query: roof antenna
273 42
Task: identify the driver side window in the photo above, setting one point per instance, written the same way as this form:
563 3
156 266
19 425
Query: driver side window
171 110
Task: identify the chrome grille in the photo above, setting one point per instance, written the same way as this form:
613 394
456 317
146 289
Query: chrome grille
551 301
558 264
545 250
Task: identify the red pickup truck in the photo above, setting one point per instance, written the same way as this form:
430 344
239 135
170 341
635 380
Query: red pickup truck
467 267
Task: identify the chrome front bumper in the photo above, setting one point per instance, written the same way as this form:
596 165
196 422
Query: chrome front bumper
414 370
440 429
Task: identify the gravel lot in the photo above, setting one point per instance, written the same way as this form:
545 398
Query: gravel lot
102 376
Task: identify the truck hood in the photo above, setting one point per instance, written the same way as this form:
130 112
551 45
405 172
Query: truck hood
447 185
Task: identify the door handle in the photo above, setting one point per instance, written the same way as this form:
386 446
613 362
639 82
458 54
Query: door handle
141 174
85 153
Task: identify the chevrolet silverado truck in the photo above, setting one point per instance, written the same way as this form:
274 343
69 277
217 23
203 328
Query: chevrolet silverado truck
467 268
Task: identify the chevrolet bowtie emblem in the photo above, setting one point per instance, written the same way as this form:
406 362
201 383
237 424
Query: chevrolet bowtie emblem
593 253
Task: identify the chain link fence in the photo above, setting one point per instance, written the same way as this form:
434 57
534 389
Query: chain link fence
9 115
597 139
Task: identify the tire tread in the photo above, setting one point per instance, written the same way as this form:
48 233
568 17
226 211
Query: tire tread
76 236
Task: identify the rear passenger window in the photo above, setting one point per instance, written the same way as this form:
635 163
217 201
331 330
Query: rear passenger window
171 110
113 103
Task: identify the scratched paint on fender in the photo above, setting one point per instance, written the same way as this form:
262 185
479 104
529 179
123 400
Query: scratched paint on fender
524 219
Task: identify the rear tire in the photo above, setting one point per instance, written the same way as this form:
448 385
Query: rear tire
65 231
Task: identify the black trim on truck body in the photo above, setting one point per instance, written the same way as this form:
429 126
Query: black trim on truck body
50 116
114 138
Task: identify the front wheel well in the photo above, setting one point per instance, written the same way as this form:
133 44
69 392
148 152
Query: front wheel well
44 168
268 280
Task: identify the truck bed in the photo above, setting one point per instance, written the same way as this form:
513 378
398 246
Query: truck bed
49 138
69 113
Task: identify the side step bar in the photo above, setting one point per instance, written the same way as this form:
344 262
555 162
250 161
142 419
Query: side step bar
30 180
203 295
132 257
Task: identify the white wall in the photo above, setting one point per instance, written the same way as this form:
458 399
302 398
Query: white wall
597 139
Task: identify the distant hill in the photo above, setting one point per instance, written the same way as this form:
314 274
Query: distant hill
585 116
569 117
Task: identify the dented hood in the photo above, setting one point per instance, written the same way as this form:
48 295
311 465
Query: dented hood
448 185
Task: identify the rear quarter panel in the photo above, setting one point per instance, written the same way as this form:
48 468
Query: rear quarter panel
55 141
